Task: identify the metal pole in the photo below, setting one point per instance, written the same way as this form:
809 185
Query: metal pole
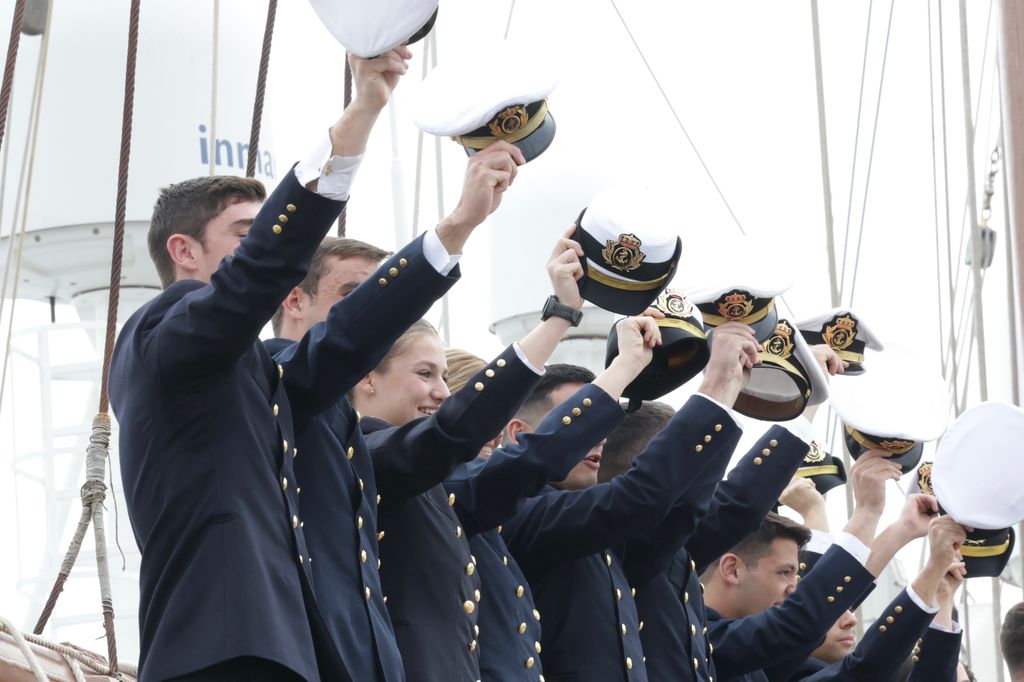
972 198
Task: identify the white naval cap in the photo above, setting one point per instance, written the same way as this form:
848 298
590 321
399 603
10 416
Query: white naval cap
897 406
369 29
844 332
788 379
739 283
470 101
979 466
630 247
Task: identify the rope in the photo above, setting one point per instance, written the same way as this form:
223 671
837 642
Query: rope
70 653
679 121
9 64
826 180
26 651
27 168
343 218
94 489
261 90
935 200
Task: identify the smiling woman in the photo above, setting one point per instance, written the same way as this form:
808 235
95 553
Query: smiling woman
410 380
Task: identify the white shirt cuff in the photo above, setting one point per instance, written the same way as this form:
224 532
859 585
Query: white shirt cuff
801 428
955 630
525 361
820 542
927 608
728 410
437 255
334 174
857 549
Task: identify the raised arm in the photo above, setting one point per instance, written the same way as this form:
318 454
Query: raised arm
580 522
488 492
210 327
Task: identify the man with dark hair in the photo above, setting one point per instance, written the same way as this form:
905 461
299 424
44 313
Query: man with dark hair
206 436
338 267
631 437
1011 641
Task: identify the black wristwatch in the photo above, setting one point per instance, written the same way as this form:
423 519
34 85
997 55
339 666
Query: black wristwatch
552 308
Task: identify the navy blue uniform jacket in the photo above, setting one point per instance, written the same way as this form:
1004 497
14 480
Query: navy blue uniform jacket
206 449
590 626
674 636
488 491
427 569
334 469
896 634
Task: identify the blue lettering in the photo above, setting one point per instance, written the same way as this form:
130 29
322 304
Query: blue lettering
231 150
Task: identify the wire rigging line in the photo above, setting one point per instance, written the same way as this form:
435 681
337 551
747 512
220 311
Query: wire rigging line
871 152
508 24
856 147
935 195
214 75
261 89
679 120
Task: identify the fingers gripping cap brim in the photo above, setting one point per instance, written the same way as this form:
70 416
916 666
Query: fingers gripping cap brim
534 144
906 461
680 357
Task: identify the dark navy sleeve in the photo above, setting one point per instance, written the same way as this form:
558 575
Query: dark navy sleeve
935 656
793 629
564 525
359 331
488 492
885 645
413 458
714 515
208 329
743 499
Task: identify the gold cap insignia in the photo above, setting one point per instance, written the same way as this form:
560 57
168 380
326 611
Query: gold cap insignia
508 122
897 446
974 543
735 305
624 254
840 335
816 454
781 342
674 304
924 478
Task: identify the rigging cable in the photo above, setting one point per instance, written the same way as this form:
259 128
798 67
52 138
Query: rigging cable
214 73
679 121
508 24
21 198
261 89
856 145
93 491
343 217
871 155
976 246
935 198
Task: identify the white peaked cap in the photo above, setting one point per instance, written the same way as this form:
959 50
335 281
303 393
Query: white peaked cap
463 94
369 28
896 399
978 473
864 332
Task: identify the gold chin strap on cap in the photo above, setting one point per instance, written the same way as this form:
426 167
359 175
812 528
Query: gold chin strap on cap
676 323
647 285
871 445
806 472
484 141
850 357
755 316
982 552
